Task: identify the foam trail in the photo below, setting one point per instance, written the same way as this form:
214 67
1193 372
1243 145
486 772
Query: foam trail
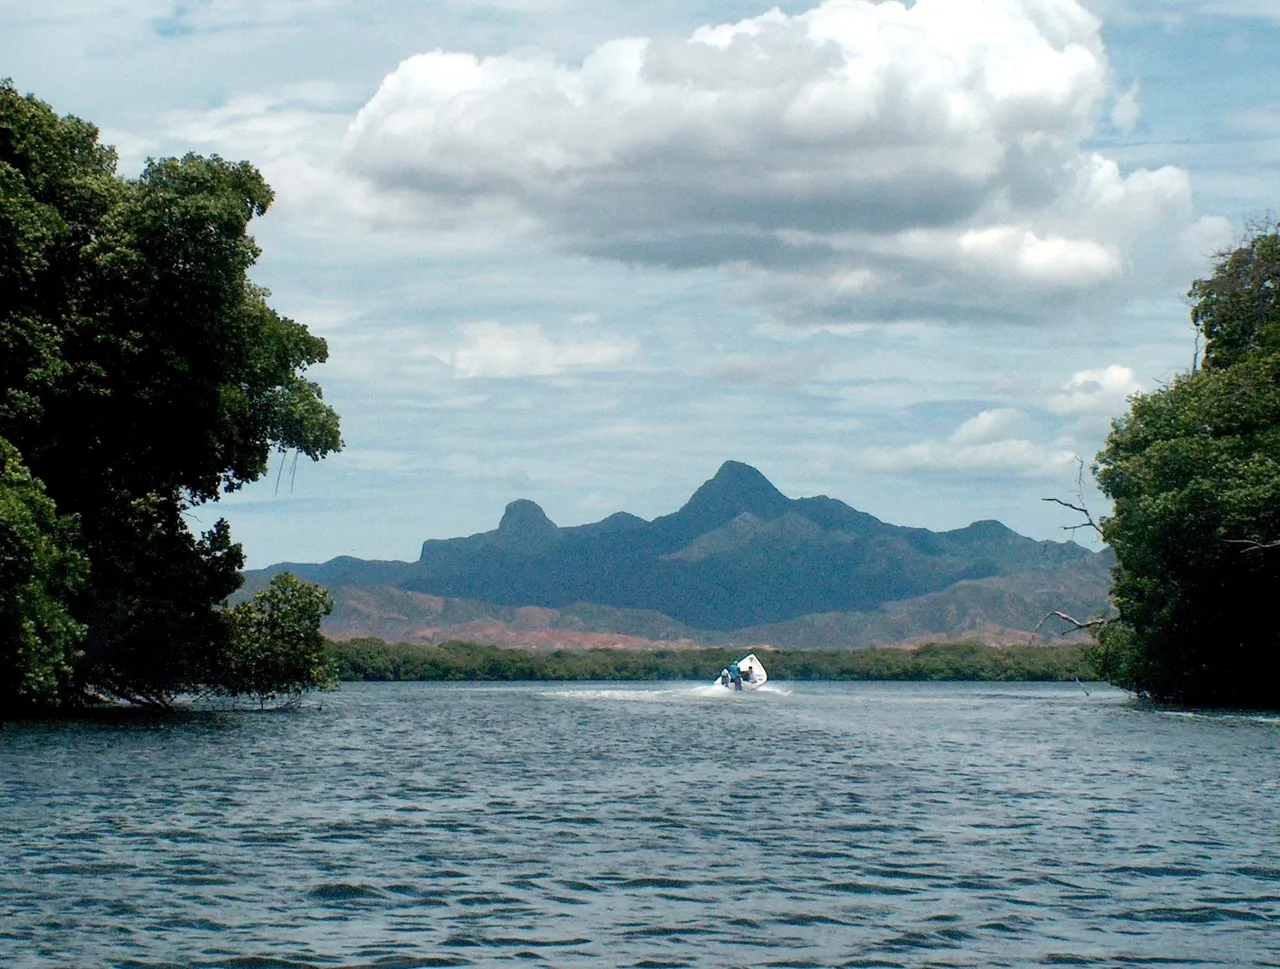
700 692
715 690
640 696
710 690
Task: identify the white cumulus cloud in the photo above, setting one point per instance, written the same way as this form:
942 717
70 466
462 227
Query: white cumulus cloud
870 159
995 443
1102 391
991 425
1016 457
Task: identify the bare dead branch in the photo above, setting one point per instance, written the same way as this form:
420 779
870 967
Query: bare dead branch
1076 623
1079 509
1078 506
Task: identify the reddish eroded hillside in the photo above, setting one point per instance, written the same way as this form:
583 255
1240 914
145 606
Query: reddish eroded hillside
396 615
1000 611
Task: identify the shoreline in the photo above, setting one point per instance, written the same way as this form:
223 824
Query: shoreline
372 660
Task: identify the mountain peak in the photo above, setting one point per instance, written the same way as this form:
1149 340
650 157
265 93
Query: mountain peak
735 489
525 525
739 472
744 482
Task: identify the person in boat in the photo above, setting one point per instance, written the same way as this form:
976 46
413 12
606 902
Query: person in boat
749 674
735 674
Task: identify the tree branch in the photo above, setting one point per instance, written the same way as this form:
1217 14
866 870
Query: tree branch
1253 546
1081 508
1088 624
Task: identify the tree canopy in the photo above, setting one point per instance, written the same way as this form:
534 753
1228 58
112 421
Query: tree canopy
275 643
142 374
1194 474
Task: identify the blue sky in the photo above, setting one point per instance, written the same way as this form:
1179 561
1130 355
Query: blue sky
910 256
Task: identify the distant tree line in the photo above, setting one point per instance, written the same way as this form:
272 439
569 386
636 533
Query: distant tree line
373 659
142 374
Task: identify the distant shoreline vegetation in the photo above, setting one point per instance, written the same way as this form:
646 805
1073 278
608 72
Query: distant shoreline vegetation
368 659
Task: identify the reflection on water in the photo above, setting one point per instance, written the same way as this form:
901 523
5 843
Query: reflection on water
405 825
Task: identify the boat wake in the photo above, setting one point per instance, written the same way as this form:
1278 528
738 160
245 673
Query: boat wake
716 692
665 695
745 676
633 696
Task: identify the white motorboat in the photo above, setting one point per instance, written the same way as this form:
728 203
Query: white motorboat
746 674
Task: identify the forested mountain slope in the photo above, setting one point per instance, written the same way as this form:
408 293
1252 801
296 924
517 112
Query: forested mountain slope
739 554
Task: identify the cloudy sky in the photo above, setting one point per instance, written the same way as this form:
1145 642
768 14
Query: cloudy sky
912 256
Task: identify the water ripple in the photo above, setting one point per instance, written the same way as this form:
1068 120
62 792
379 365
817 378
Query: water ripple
401 826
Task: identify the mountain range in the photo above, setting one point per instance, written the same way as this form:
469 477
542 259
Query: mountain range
740 561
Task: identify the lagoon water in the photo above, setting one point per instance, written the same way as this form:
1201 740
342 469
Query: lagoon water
402 825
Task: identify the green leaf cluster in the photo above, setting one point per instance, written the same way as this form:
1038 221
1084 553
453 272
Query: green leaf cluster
142 374
1194 474
276 649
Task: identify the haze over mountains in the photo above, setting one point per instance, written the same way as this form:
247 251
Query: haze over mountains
739 560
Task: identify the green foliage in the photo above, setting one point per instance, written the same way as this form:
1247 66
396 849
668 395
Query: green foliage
1194 472
39 568
1236 309
937 661
56 185
143 374
275 647
373 659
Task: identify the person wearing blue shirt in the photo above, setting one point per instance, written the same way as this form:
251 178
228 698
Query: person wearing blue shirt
735 674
